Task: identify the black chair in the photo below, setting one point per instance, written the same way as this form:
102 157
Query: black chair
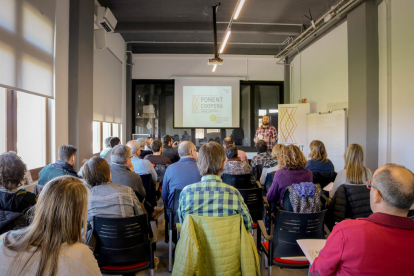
160 169
323 178
410 214
149 189
257 172
172 219
243 181
123 246
349 202
285 229
254 201
287 205
269 180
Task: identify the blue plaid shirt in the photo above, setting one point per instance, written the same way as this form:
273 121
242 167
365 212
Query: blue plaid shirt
213 198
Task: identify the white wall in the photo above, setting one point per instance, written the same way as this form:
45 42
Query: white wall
165 66
320 72
396 93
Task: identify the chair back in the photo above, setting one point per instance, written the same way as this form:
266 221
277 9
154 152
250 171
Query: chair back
411 214
269 180
242 181
290 227
323 178
257 172
254 201
121 241
176 203
302 205
160 169
149 189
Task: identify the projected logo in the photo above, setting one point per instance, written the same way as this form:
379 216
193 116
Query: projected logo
213 118
196 104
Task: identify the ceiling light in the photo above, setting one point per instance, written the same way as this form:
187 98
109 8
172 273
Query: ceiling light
214 68
225 41
241 2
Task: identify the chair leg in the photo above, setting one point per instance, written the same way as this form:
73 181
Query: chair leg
150 272
266 262
270 270
170 251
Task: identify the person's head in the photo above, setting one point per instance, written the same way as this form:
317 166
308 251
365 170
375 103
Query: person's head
265 120
135 148
166 141
59 216
142 143
211 159
96 171
149 140
114 142
392 190
121 155
261 146
354 164
12 170
231 151
318 151
107 140
276 150
156 146
187 149
67 153
292 158
227 141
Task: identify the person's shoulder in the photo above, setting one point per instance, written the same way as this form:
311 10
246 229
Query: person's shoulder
354 225
79 253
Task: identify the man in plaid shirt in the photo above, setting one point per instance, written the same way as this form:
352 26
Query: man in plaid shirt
266 132
211 197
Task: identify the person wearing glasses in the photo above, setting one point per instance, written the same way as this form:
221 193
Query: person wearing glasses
181 173
383 243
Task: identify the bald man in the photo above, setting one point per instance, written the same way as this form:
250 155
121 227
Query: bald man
181 173
141 166
383 243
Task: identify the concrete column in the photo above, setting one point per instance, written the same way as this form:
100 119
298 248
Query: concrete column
363 71
81 36
286 85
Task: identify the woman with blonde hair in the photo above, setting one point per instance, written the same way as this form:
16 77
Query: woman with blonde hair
292 162
271 165
318 158
52 244
354 172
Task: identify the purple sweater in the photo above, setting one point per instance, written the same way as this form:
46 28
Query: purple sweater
284 178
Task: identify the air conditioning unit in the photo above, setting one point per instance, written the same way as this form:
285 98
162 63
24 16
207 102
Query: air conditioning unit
105 19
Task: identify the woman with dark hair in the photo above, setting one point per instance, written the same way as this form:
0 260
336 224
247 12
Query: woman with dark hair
12 174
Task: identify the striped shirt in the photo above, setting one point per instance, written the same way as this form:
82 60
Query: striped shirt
213 198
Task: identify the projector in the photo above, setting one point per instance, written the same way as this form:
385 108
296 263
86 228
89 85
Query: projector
215 61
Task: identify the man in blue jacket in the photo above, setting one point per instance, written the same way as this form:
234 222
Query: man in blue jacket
181 173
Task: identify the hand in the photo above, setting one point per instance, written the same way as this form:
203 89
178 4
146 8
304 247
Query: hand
266 140
175 144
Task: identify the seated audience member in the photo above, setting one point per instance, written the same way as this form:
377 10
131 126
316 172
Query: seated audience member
107 199
354 172
114 141
271 165
381 244
223 200
234 165
122 171
168 150
108 147
292 170
262 154
51 244
142 144
241 154
141 166
156 158
148 143
318 158
64 166
12 174
182 173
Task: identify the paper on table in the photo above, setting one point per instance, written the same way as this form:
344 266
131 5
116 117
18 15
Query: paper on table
311 247
328 187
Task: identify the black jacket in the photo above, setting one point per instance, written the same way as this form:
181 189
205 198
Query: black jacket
17 202
349 202
171 154
11 220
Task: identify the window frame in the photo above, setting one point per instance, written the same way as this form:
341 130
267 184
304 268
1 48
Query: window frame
101 146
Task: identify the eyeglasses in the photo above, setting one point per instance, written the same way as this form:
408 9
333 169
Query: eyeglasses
369 184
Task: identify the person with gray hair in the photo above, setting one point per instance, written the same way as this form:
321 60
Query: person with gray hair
381 244
142 144
141 166
181 173
222 200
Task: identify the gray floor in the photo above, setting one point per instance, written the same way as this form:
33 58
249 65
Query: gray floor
162 254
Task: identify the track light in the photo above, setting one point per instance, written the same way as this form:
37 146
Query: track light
239 7
214 68
225 41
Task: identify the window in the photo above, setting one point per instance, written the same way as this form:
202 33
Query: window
2 120
115 130
96 127
106 132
